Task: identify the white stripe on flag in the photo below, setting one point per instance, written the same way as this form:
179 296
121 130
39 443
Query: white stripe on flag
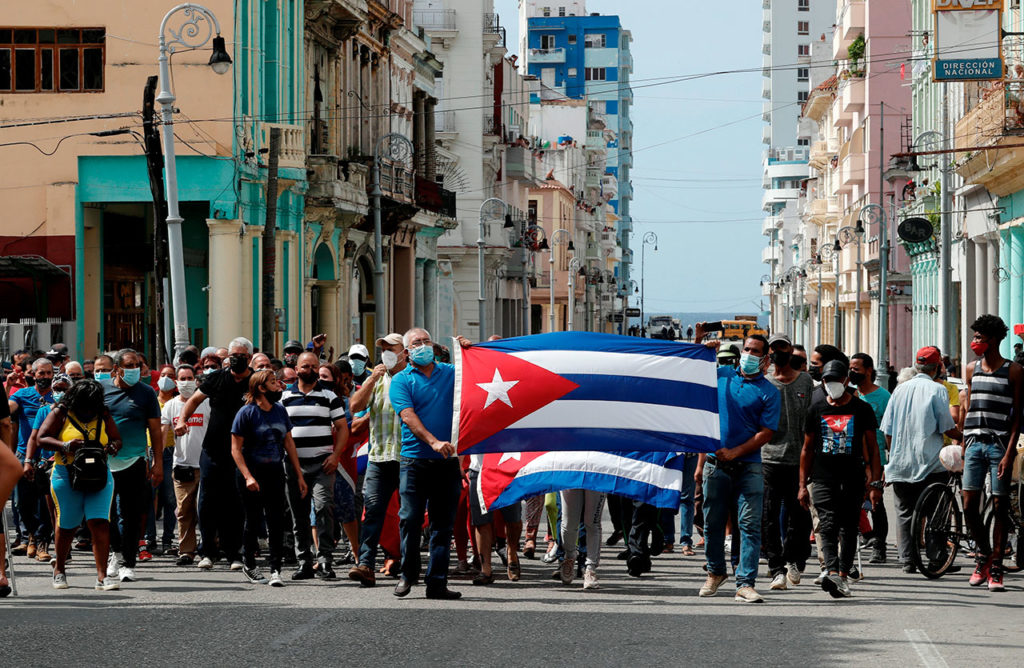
606 463
660 367
567 414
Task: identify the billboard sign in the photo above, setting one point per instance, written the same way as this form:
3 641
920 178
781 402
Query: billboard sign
968 40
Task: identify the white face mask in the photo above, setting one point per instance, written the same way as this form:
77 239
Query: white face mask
186 388
165 384
835 390
389 359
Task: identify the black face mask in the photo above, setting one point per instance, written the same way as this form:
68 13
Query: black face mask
780 358
815 372
238 363
329 385
43 384
310 377
274 397
857 378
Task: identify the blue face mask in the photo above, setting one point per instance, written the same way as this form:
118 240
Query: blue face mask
101 375
57 396
422 356
750 364
131 376
358 367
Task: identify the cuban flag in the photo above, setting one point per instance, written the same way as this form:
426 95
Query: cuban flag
651 477
583 391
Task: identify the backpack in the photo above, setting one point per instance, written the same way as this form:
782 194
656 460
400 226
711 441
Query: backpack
87 472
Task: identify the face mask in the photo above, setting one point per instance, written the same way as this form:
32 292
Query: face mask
781 359
101 375
57 396
291 360
274 397
358 366
309 377
131 376
328 385
422 356
238 363
979 347
749 364
857 378
43 384
835 390
815 372
186 388
165 384
388 359
207 371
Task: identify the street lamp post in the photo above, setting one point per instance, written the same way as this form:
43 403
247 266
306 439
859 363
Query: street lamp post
628 288
870 214
574 267
488 206
836 248
826 252
649 239
192 34
845 236
556 237
399 148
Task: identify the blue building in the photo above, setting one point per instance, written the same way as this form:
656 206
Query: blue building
588 57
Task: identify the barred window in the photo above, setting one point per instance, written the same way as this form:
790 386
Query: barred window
51 60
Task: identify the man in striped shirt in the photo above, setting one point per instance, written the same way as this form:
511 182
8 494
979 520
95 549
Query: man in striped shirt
321 435
991 425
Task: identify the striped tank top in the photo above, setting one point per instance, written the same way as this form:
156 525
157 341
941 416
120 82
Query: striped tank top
988 418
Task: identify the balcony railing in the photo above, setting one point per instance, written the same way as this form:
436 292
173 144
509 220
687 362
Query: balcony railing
492 26
553 56
396 181
293 147
434 19
432 197
444 121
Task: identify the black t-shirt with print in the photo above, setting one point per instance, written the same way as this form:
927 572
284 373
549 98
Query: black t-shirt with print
838 433
227 396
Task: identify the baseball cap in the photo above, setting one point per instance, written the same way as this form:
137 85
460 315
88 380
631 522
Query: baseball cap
208 350
928 355
58 351
835 370
392 339
779 337
359 349
293 346
728 351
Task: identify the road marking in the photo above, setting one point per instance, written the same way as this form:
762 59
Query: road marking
926 651
298 632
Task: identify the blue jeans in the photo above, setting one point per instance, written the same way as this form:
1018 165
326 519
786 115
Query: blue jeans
686 495
433 485
379 485
982 458
743 487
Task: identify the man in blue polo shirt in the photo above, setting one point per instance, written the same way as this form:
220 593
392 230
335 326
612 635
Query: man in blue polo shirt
32 493
423 396
748 409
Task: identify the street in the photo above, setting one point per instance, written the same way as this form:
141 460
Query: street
184 616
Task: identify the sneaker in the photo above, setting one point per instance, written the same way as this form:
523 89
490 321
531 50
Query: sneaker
821 578
275 579
60 581
793 574
748 595
144 552
463 567
568 570
114 562
236 565
877 556
995 578
836 585
186 560
108 584
590 579
551 555
126 574
980 574
855 575
910 568
711 585
253 575
205 563
779 583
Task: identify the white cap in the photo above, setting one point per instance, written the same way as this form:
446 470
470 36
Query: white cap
359 349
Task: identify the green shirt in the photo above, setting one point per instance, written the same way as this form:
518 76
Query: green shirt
385 425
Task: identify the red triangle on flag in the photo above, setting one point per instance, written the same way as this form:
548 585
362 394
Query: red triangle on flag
498 470
498 389
838 423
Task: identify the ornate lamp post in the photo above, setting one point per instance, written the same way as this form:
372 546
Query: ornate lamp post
399 149
557 237
490 209
844 237
650 239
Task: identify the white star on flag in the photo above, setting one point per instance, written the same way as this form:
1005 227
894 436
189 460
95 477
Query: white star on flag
518 456
497 389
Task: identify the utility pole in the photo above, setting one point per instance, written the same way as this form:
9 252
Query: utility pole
270 244
945 303
155 170
883 262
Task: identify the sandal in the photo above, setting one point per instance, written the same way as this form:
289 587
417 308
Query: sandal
514 570
529 548
482 579
687 551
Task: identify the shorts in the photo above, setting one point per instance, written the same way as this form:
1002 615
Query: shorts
73 506
512 514
981 458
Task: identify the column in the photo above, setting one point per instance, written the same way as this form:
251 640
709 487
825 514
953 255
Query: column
973 256
1005 250
91 311
430 294
420 301
330 316
290 283
308 285
1016 285
226 286
992 258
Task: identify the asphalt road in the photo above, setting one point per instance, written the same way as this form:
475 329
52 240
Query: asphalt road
183 616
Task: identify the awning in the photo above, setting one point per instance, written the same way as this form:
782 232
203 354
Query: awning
25 266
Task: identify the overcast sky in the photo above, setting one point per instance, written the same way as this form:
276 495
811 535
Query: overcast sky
682 180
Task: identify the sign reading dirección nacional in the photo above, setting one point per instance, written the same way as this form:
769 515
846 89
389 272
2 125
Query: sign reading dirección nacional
968 40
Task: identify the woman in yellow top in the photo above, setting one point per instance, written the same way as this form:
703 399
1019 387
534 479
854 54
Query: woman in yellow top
78 417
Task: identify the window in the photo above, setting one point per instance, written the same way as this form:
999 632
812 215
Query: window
801 96
561 11
547 41
803 50
545 11
803 141
803 5
573 72
43 60
593 74
572 39
595 41
803 27
803 73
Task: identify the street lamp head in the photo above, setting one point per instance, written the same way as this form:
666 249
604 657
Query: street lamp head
543 244
508 222
859 230
837 247
572 247
220 61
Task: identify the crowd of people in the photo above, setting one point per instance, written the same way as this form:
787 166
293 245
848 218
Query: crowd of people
242 458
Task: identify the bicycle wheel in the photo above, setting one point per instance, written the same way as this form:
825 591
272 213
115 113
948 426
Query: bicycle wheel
935 531
1012 560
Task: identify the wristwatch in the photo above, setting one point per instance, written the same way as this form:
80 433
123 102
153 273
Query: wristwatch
877 484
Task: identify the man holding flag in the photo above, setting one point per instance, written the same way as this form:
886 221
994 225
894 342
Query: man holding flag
748 408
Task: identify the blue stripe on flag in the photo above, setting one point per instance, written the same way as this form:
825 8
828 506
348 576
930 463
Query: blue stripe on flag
542 482
642 390
596 342
580 438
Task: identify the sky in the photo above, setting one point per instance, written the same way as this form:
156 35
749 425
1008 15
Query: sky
696 149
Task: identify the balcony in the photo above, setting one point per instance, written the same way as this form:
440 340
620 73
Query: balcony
993 123
397 182
493 31
609 187
770 254
293 146
521 164
596 140
336 186
851 98
435 20
770 224
766 89
849 24
593 179
444 121
766 134
852 172
819 155
778 196
547 56
432 197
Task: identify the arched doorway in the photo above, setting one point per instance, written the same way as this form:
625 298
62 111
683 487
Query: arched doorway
362 282
322 272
